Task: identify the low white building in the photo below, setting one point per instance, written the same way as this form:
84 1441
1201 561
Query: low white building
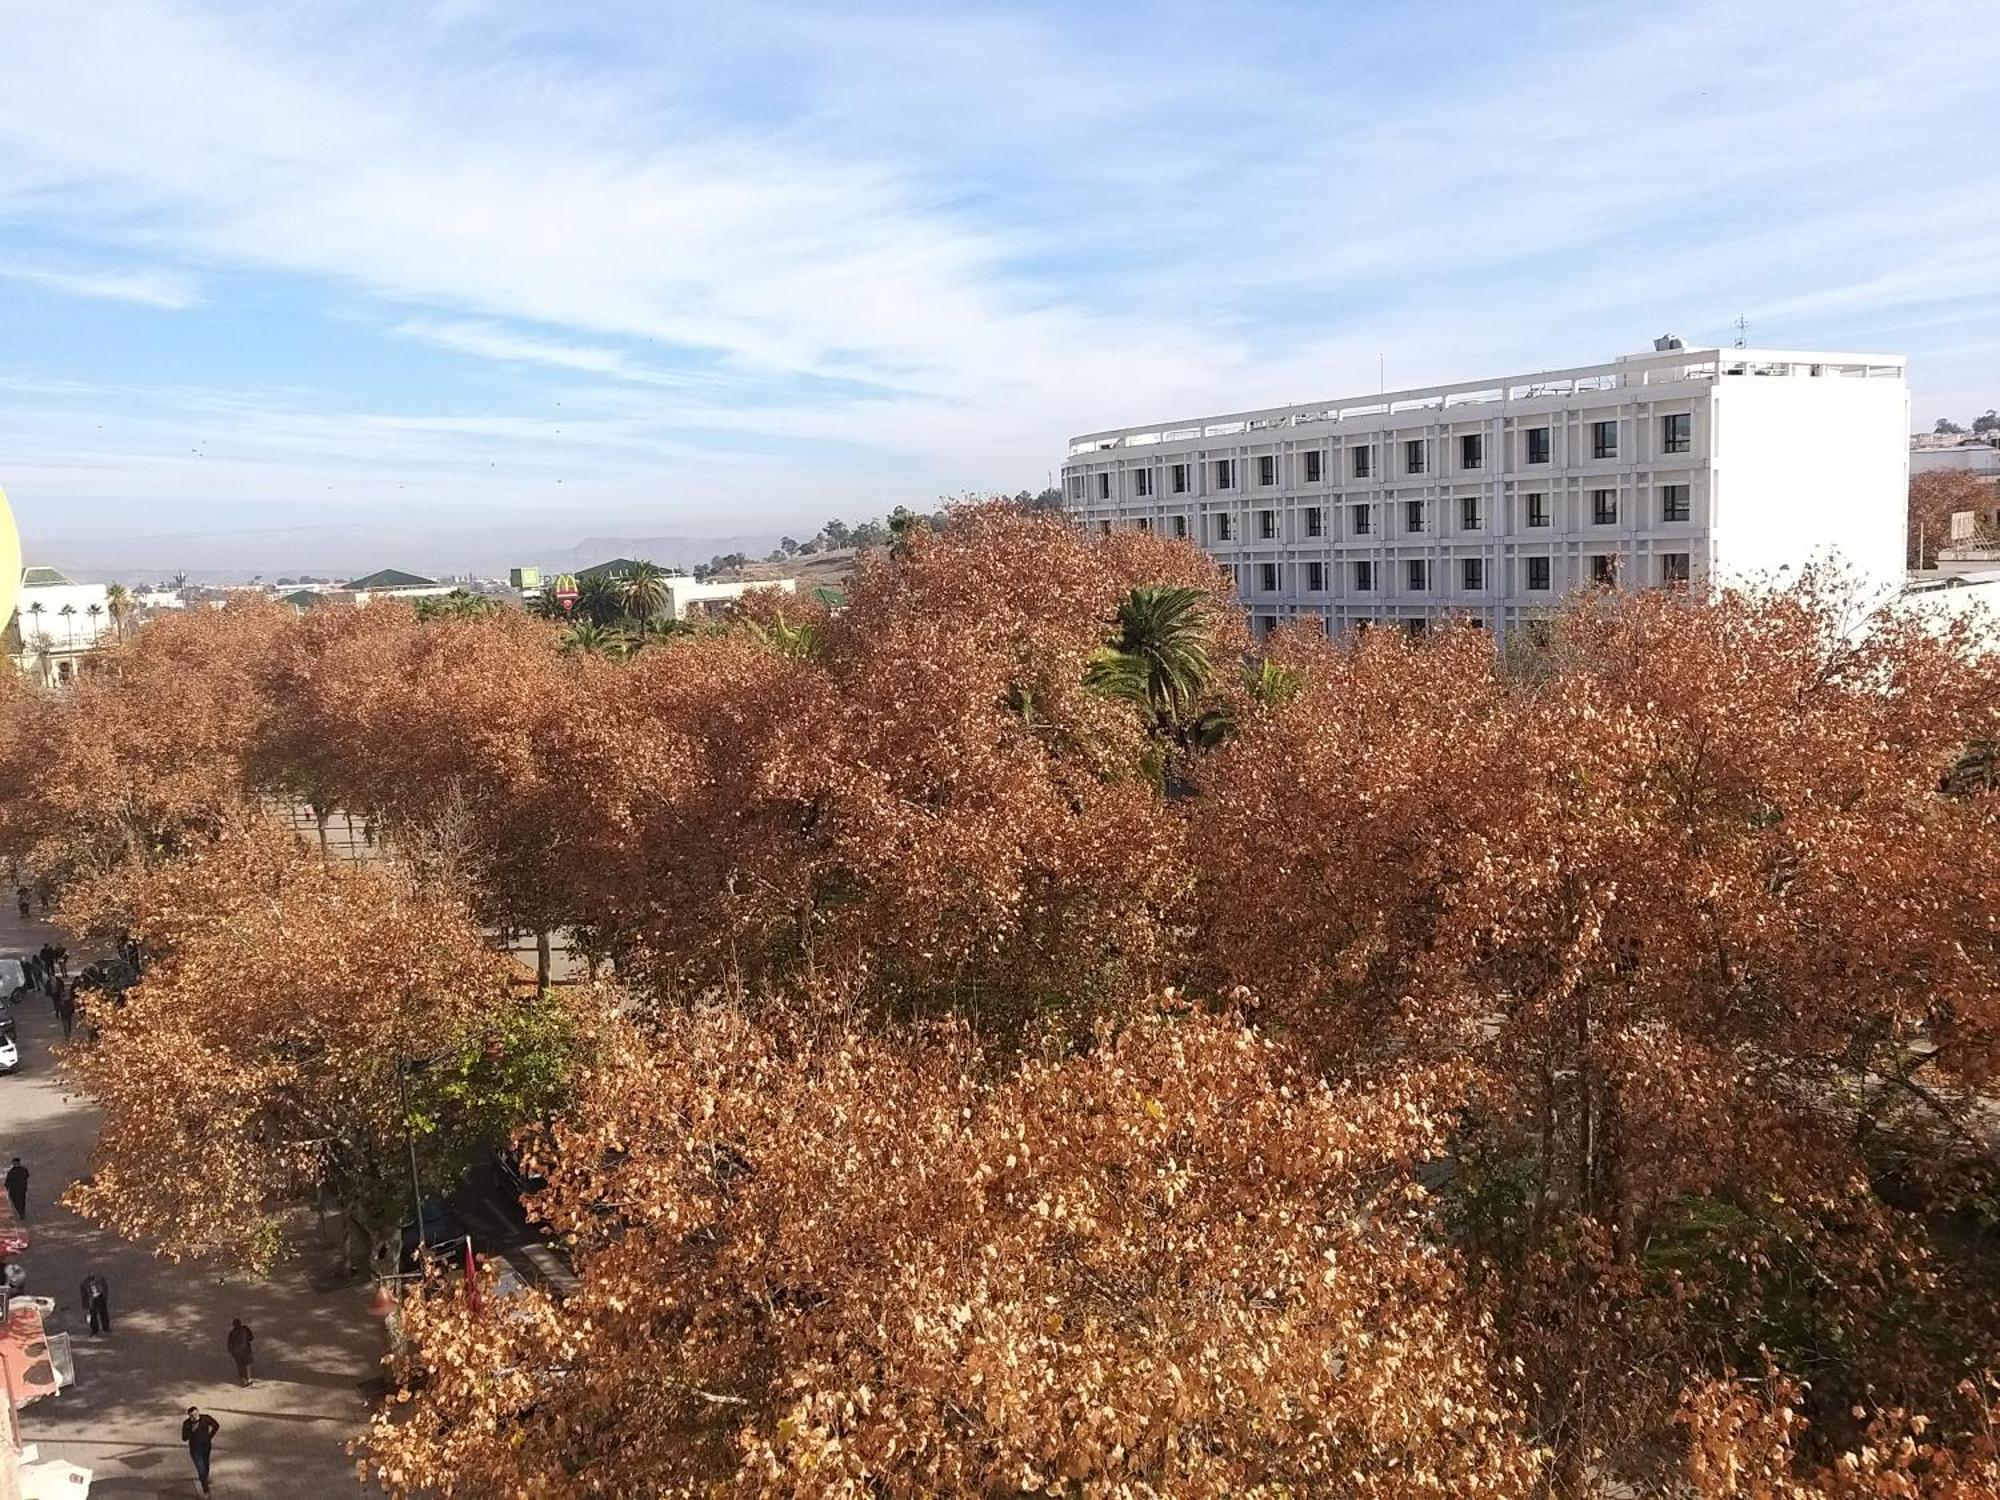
55 622
1491 499
689 597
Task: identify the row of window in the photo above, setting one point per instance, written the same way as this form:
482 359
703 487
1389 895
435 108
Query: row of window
1675 505
1472 573
1676 436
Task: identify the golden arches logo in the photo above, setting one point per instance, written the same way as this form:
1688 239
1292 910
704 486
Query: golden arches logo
10 561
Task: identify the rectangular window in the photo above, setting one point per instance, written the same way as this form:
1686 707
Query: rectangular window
1604 507
1538 510
1177 476
1472 451
1075 486
1538 445
1603 569
1104 486
1142 482
1312 467
1364 577
1364 463
1677 433
1413 456
1538 573
1225 473
1143 524
1603 439
1315 578
1419 575
1180 526
1673 568
1416 630
1267 524
1224 529
1267 577
1267 470
1413 516
1104 528
1473 572
1363 524
1468 513
1674 502
1315 521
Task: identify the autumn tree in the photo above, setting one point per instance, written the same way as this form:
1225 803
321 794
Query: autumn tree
886 1266
298 1026
917 801
145 757
1694 905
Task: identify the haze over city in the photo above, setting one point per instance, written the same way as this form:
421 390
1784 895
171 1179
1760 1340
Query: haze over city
327 286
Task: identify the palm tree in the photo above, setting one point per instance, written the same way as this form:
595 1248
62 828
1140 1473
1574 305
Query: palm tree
118 600
68 612
784 637
644 586
459 604
600 600
35 614
591 639
96 613
1159 661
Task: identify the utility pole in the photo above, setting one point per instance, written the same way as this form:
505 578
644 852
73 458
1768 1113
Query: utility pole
1742 328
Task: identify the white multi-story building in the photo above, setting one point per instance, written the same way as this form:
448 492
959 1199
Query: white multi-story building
1492 499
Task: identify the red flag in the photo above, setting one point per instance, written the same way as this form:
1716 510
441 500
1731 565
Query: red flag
472 1297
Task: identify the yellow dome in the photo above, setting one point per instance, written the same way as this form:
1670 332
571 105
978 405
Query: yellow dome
10 561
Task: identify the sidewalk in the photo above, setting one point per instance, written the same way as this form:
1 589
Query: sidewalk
284 1436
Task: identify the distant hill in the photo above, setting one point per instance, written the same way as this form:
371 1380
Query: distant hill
818 570
667 551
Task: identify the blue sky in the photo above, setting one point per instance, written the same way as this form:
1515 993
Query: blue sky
392 276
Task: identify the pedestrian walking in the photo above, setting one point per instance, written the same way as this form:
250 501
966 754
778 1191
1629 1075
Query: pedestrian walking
198 1432
17 1189
21 898
241 1348
97 1302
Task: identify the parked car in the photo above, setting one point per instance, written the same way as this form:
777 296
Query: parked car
443 1234
515 1176
10 1048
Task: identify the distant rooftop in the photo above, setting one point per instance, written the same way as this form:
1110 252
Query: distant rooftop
43 577
392 578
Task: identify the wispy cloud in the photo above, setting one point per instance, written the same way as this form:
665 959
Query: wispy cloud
165 289
887 250
492 341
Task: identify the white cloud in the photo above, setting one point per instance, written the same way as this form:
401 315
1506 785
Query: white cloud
165 289
1004 229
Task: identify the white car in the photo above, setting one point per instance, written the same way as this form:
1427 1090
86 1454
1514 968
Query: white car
10 1051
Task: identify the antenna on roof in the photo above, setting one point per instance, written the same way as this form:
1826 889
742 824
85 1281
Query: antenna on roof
1742 327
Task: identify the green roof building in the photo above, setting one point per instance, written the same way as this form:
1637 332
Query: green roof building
388 580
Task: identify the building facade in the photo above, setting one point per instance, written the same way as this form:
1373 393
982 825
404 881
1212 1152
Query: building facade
1492 499
56 623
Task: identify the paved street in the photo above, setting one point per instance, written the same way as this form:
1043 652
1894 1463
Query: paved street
316 1347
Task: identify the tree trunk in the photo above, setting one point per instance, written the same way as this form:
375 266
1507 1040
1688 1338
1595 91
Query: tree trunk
542 958
320 817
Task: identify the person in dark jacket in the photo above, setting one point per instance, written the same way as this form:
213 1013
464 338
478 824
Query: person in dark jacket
198 1432
17 1189
97 1302
241 1348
